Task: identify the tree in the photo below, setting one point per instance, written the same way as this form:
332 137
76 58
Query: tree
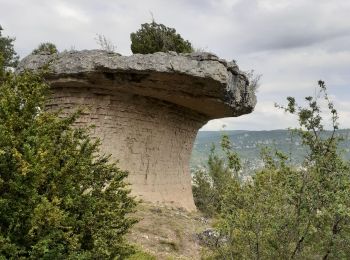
154 37
59 199
45 47
210 184
7 53
286 212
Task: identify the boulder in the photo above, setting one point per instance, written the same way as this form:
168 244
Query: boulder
147 109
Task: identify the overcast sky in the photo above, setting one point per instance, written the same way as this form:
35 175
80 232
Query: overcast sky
292 43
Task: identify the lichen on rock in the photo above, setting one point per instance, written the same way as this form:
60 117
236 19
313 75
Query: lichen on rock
147 109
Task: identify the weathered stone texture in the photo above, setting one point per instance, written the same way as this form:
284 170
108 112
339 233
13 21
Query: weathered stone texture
147 109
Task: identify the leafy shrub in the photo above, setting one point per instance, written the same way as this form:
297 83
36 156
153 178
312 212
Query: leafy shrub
209 185
58 198
286 212
45 47
154 37
8 56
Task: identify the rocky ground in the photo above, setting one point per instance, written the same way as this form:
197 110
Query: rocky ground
164 232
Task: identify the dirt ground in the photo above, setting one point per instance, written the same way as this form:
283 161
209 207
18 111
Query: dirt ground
168 233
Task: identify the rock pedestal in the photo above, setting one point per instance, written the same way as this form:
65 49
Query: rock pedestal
147 109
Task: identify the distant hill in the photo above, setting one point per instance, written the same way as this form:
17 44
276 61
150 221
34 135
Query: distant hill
248 145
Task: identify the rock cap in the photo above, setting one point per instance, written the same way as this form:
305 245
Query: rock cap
198 81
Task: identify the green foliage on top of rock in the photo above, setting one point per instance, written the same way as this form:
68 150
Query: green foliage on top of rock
154 37
8 56
45 47
58 198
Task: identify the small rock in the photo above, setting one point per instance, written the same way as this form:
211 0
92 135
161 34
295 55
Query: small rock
145 236
210 238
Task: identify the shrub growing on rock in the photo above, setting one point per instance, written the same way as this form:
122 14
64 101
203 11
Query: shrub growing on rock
154 37
46 47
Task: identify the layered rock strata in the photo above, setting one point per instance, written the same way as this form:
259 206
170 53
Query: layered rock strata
147 109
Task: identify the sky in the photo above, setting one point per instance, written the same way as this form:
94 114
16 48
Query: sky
290 43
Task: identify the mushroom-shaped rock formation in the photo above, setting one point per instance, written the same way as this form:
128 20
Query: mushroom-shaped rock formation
147 109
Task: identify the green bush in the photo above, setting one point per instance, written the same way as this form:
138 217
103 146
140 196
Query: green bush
8 55
209 185
283 212
154 37
46 47
58 198
286 212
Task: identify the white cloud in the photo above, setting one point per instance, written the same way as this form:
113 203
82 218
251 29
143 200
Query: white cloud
265 116
272 5
68 12
291 43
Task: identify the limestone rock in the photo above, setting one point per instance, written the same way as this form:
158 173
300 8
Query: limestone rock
147 109
211 238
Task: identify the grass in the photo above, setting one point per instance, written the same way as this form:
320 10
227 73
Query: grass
170 244
141 255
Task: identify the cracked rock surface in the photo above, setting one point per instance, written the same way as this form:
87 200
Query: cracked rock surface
198 81
147 109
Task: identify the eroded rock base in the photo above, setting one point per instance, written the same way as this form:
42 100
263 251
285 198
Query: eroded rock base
152 139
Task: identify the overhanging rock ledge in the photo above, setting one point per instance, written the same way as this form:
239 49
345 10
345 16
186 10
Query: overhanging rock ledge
147 109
